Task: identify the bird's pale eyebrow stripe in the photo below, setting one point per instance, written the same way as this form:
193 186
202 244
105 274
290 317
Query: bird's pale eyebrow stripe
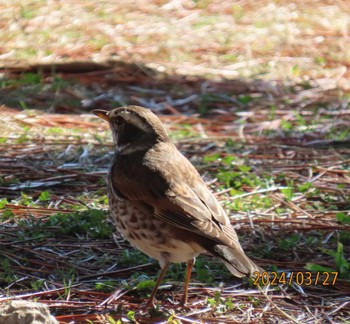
137 121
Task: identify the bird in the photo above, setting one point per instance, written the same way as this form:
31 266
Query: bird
159 202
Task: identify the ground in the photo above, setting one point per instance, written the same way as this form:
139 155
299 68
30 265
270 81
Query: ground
256 97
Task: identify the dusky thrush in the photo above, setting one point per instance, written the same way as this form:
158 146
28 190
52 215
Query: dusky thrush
159 202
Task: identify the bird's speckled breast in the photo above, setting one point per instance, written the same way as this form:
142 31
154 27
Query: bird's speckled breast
147 233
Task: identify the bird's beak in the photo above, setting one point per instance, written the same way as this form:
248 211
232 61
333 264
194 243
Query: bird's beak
102 114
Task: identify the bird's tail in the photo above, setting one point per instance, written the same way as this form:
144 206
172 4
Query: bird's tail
236 261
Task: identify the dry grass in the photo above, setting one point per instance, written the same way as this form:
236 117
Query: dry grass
283 230
271 40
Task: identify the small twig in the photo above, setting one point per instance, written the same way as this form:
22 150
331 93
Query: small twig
338 308
282 312
257 192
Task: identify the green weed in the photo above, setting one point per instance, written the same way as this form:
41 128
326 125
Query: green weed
132 257
106 286
90 223
208 272
6 214
341 263
244 99
219 304
44 196
304 187
147 285
38 284
131 316
289 242
343 218
3 203
7 274
186 131
68 277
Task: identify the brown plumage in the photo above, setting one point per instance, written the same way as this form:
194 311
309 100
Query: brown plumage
160 203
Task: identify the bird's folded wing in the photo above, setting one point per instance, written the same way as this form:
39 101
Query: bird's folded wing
171 189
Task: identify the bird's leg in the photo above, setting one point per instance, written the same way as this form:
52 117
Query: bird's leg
189 267
164 268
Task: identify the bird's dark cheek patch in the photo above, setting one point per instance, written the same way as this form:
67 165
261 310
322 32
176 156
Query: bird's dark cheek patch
128 134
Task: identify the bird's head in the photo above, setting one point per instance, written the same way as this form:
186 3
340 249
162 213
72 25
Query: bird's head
133 128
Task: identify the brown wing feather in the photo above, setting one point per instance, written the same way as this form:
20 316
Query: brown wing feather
172 186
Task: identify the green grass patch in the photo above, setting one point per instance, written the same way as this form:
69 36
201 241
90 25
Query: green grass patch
91 223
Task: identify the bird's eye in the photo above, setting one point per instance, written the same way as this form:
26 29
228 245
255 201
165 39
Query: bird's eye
119 120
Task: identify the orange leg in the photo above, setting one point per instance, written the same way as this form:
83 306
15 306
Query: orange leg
150 302
190 264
